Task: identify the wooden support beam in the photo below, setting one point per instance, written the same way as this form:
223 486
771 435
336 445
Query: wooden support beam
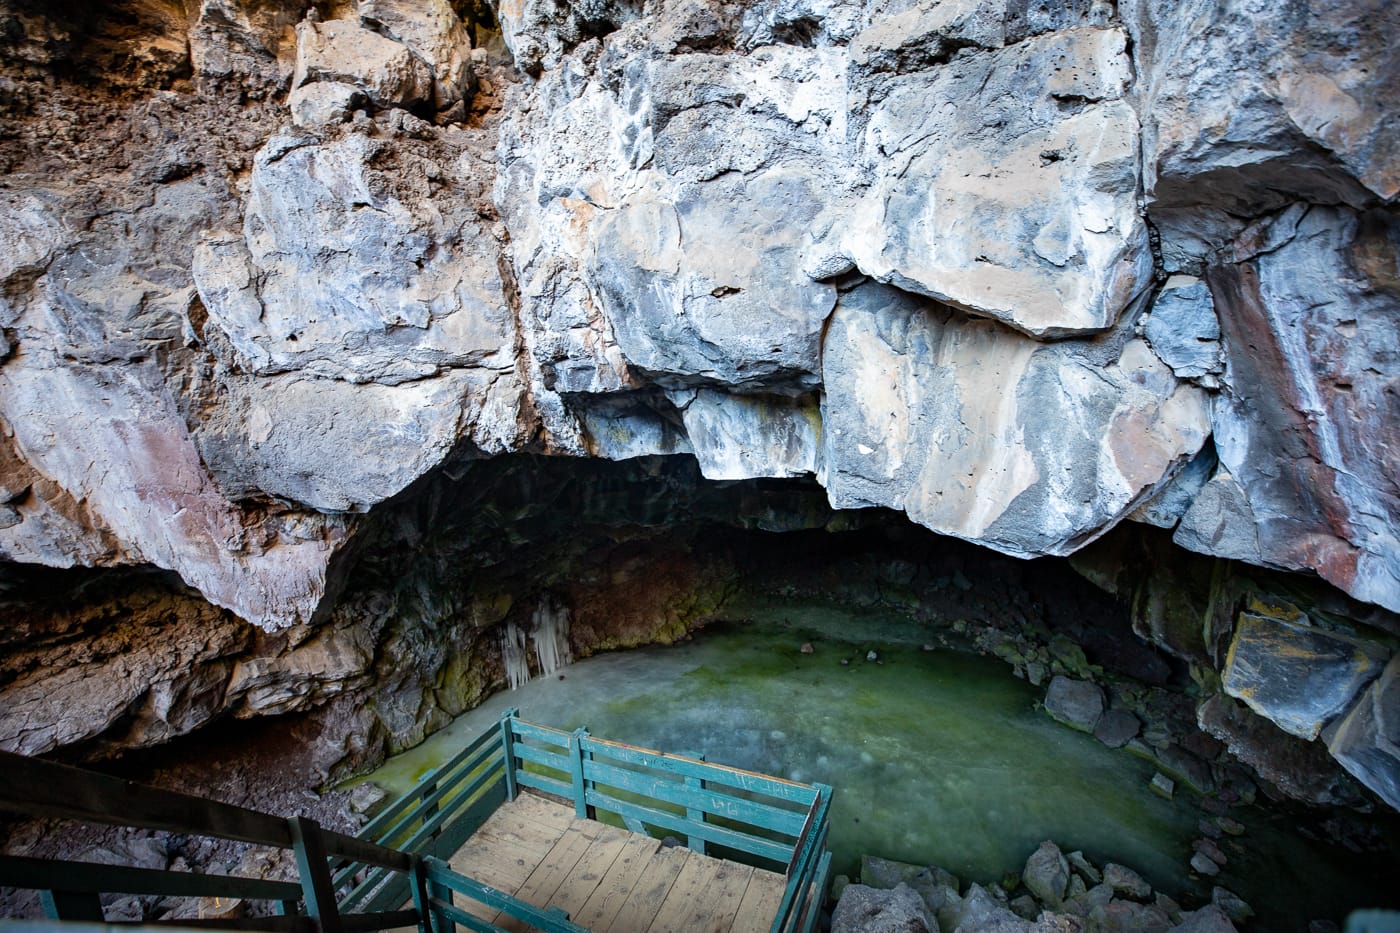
34 787
93 878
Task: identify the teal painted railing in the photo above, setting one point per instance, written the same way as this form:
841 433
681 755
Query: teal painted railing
726 811
357 884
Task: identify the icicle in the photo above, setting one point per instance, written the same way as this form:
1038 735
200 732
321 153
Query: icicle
513 656
550 624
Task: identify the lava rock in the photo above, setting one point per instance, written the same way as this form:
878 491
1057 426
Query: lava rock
1126 882
1116 728
1046 874
1076 703
863 909
1209 919
1235 906
1204 864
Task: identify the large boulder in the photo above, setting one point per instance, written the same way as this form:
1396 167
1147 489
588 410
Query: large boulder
1046 874
1367 741
1006 184
863 909
979 432
1297 675
1304 428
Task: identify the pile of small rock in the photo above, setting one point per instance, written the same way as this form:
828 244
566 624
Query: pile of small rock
1056 893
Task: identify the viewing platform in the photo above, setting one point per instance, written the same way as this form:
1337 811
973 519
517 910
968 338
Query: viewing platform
526 828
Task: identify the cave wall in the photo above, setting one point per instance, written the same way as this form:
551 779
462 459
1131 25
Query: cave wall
273 275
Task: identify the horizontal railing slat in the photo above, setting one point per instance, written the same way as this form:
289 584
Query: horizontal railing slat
459 916
551 919
530 730
753 845
269 924
459 796
547 784
374 829
362 850
93 878
541 757
689 767
386 920
35 787
752 812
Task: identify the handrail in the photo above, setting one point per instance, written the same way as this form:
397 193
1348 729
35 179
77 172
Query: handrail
776 820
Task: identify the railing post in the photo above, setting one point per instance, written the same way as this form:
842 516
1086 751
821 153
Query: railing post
576 771
508 747
72 905
695 814
315 872
441 922
418 881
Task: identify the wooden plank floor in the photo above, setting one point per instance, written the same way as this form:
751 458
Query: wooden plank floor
609 879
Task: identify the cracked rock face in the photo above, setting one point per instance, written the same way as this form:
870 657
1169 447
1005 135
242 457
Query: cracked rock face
1009 269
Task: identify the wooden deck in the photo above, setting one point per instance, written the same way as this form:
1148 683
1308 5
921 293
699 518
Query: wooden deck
608 879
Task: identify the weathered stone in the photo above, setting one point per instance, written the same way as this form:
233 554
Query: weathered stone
1227 124
1128 917
863 909
1315 404
1083 867
967 426
1303 770
1186 769
1209 919
695 311
1162 786
1126 882
1183 330
323 104
1298 676
747 436
433 32
1204 864
368 798
1116 727
1367 741
1035 225
1076 703
1046 874
979 910
345 52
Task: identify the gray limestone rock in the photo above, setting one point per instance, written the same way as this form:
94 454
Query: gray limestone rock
1183 330
1209 919
695 312
1076 703
1036 224
344 51
863 909
1315 403
969 426
1046 874
434 33
1116 728
1126 882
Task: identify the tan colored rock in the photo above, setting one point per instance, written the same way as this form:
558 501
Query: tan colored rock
343 51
